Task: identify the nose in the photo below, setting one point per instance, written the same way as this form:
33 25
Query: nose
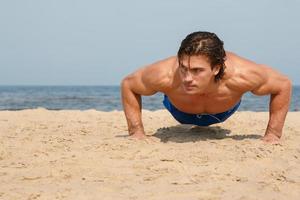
187 77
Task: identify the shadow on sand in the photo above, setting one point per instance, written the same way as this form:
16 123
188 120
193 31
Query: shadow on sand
188 133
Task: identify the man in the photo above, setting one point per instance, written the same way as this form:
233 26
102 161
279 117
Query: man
203 85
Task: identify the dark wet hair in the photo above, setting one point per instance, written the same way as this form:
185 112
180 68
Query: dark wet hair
207 44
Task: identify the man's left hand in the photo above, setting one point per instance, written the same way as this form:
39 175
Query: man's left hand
271 139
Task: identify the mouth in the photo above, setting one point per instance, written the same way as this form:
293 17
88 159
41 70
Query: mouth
189 87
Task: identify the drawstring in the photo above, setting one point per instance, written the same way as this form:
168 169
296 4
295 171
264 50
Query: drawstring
200 116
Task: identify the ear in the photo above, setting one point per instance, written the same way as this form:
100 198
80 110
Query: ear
216 69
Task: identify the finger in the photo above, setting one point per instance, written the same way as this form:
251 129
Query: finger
150 139
270 141
135 138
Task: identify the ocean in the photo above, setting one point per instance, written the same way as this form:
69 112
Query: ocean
103 98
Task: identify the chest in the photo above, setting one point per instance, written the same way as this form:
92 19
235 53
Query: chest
204 104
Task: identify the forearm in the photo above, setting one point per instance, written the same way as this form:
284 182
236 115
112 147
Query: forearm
279 106
132 106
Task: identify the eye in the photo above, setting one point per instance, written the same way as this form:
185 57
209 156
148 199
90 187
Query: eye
196 71
182 68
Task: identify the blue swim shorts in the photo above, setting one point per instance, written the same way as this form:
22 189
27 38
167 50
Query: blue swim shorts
198 119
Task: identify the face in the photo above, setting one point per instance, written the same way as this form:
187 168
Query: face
196 74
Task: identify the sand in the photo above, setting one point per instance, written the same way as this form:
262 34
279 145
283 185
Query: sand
88 155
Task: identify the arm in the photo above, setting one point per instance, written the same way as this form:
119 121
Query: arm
263 80
131 90
280 88
145 81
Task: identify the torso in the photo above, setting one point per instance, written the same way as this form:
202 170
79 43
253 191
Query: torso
224 99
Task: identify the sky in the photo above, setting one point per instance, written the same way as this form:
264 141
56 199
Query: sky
96 42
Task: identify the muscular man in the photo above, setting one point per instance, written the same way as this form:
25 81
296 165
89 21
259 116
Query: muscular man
204 84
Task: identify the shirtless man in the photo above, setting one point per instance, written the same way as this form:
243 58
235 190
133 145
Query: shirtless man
204 84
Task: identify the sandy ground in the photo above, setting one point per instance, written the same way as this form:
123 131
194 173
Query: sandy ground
88 155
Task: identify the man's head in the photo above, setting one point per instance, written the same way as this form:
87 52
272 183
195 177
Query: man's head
201 58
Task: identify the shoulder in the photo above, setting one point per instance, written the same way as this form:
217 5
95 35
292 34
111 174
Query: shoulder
161 73
162 68
247 75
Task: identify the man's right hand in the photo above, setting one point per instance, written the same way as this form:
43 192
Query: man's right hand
138 135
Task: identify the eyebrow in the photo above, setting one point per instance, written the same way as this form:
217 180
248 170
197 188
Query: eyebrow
197 67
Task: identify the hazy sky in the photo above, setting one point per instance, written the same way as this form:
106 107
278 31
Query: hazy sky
94 42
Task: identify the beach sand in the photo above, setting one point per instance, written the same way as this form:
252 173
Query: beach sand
88 155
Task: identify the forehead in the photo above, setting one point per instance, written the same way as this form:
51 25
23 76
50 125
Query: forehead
195 61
